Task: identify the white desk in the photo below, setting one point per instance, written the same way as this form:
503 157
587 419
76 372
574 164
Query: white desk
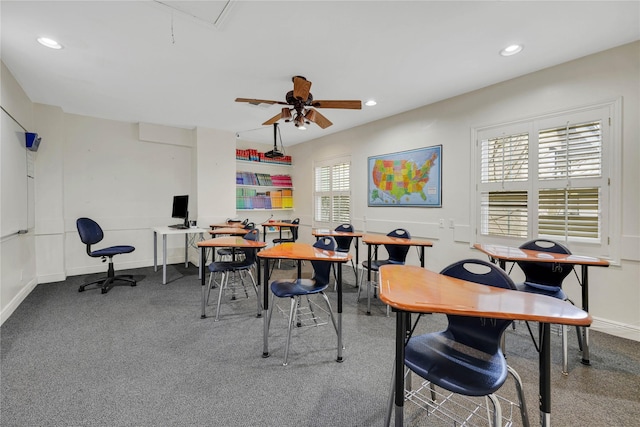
166 230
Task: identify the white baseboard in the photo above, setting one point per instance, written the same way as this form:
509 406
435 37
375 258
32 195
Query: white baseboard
630 332
17 300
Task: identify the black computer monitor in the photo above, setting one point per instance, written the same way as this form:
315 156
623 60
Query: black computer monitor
180 208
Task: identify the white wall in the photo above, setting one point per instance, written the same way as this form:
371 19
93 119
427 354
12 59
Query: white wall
17 252
614 291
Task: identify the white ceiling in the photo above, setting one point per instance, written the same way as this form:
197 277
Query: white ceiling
183 63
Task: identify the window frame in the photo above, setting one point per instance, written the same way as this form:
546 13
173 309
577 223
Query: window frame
609 182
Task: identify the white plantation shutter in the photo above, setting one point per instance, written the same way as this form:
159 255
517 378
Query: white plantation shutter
504 172
568 156
333 192
547 177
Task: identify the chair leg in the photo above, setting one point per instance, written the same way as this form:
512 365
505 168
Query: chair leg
333 319
292 311
497 410
223 286
255 288
520 392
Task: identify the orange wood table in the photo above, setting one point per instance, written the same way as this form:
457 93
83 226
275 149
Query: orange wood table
504 254
411 289
305 252
227 224
279 224
232 231
222 242
323 232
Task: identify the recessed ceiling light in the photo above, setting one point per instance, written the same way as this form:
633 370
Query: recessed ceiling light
370 103
511 50
45 41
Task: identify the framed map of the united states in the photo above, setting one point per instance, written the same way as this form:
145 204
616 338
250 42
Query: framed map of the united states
407 178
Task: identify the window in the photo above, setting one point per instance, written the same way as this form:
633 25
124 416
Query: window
548 177
332 192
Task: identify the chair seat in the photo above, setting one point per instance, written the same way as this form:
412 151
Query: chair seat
375 264
455 367
113 250
535 288
292 288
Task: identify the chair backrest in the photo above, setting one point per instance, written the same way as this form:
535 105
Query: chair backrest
545 275
249 225
89 231
479 333
250 253
294 230
246 221
398 253
344 242
322 269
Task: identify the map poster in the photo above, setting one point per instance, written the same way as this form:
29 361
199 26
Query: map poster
408 178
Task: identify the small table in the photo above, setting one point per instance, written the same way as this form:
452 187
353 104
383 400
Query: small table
231 231
502 254
279 224
305 252
375 240
164 231
323 232
226 224
411 289
225 242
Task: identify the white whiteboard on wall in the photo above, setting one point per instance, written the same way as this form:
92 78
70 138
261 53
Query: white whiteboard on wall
14 183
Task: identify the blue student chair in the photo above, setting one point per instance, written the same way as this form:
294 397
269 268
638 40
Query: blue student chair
227 268
343 244
90 234
466 358
292 239
397 255
295 289
227 253
546 278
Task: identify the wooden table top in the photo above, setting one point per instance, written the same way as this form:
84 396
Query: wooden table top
229 230
279 224
227 224
418 290
302 251
508 253
231 241
382 239
319 232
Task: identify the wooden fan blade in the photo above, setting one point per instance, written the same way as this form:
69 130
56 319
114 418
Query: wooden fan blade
351 105
259 101
273 119
321 120
301 88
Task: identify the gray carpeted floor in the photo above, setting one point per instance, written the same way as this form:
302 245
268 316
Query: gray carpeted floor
141 356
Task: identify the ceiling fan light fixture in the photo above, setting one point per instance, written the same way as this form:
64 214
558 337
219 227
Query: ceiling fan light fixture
370 103
286 114
310 116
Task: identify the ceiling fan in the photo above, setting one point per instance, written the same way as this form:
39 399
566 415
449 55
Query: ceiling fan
300 105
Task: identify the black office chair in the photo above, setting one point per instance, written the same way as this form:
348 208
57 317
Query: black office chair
546 278
90 234
236 267
295 289
466 358
397 255
344 245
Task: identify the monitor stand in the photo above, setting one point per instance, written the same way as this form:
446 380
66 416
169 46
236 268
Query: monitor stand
182 226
